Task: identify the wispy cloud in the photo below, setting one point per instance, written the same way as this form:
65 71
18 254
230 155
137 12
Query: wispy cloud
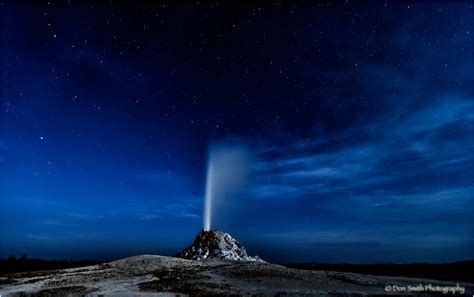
409 147
403 182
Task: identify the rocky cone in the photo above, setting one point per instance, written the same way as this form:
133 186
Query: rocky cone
216 245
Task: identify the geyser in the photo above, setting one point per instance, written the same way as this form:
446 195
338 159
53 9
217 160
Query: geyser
208 198
228 167
227 170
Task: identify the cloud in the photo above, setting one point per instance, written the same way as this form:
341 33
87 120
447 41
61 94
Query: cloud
401 183
431 142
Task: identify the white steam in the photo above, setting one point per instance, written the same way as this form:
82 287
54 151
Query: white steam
227 171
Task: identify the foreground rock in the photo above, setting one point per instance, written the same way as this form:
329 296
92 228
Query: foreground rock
216 245
167 276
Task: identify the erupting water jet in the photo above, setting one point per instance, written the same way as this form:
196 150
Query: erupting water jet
228 167
208 197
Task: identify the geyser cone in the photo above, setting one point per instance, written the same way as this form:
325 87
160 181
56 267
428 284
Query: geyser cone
216 245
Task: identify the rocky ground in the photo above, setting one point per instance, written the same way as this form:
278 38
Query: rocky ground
167 276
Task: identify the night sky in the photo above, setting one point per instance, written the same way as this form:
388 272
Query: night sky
359 119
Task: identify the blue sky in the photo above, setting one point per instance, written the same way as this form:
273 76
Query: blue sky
359 120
